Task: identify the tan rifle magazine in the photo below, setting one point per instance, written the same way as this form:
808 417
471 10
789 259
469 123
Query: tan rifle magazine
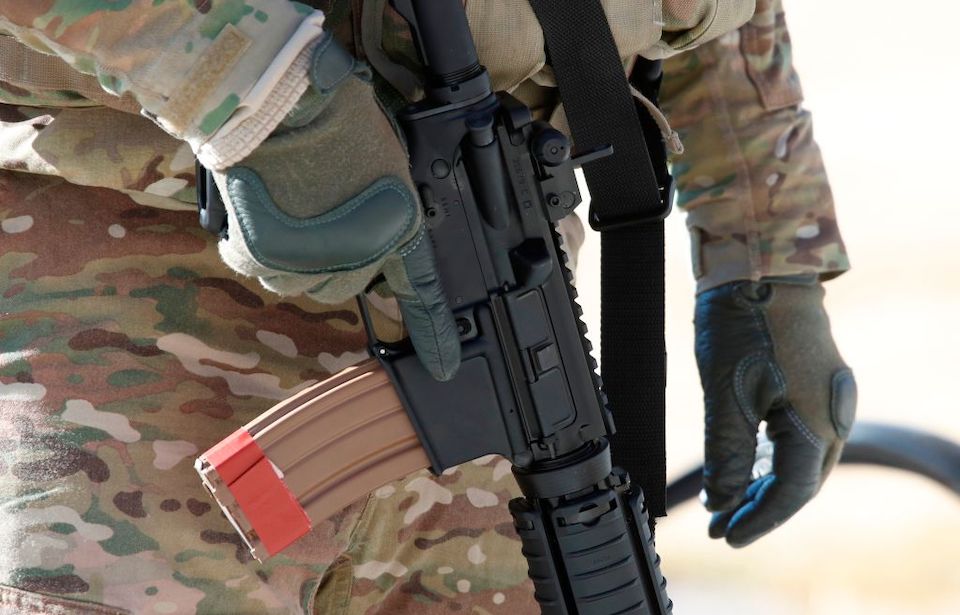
311 455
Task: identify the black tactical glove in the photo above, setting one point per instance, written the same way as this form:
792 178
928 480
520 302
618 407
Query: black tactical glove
765 353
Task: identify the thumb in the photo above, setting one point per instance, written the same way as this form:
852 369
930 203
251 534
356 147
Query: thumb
798 461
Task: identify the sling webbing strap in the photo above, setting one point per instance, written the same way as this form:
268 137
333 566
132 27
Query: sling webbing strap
627 207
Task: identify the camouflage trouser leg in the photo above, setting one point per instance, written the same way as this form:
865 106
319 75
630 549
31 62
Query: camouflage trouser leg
125 349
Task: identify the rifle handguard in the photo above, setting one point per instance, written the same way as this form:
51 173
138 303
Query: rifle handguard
310 456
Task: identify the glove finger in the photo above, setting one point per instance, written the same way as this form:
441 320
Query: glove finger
720 520
762 466
729 456
798 471
736 400
738 391
423 304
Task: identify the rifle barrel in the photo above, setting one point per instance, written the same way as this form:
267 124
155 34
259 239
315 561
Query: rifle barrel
445 39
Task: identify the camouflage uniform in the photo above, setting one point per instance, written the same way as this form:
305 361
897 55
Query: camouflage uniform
751 179
126 347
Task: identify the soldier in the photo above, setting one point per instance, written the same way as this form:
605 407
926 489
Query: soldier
127 348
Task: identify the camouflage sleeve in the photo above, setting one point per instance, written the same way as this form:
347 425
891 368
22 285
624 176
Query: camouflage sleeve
201 70
752 179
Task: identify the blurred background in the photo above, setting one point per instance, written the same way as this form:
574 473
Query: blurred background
881 79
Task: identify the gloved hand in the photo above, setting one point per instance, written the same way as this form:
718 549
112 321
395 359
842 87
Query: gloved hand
326 203
765 353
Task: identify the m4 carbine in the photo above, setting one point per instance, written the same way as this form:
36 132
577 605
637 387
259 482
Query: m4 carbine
493 183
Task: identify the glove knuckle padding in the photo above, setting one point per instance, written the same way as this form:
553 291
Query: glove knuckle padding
357 233
843 401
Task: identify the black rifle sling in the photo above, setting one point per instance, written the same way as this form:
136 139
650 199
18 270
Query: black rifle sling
626 206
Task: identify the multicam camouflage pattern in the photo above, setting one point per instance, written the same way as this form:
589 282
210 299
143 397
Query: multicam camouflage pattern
126 349
189 63
437 545
102 147
752 179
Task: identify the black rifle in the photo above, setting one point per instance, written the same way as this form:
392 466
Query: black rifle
493 182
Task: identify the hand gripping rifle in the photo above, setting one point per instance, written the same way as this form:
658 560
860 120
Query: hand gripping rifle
493 183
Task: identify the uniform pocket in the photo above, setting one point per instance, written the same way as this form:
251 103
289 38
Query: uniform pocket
767 54
336 586
22 602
